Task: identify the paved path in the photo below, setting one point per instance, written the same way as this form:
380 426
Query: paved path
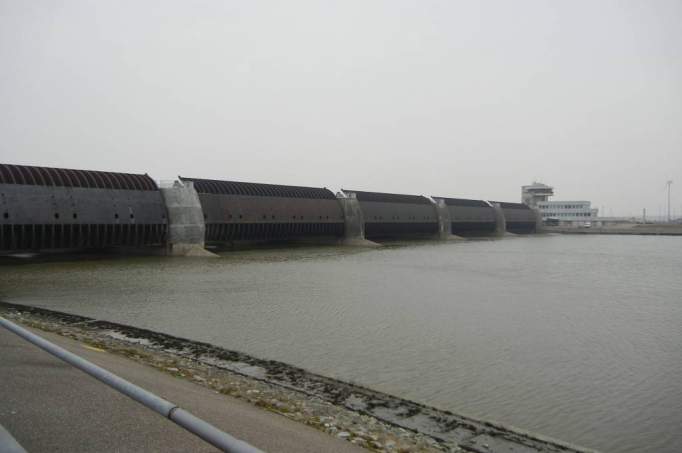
49 406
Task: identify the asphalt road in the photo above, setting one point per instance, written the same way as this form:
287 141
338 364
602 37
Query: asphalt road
49 406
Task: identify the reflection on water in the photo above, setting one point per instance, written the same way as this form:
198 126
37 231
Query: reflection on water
574 337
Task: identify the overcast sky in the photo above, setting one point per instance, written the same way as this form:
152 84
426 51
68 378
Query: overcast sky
450 98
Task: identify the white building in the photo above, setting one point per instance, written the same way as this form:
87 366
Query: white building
567 211
537 196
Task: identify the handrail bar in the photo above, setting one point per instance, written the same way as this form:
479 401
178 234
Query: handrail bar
181 417
9 444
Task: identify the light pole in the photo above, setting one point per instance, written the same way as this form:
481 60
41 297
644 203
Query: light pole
669 184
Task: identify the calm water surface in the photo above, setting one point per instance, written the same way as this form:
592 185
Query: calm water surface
578 338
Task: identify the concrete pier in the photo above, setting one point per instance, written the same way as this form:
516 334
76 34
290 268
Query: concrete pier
539 225
354 221
444 221
500 221
186 228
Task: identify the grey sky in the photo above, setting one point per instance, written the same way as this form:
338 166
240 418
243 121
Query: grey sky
447 98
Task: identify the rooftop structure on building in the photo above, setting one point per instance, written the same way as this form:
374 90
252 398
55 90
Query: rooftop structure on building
533 194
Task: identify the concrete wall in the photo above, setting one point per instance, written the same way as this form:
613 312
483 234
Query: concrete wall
539 224
186 229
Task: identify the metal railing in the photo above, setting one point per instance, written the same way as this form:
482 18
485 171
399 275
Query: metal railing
9 444
172 411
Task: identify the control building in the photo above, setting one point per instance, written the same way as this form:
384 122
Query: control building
537 196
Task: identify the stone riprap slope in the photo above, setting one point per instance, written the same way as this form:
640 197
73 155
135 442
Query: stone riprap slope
366 417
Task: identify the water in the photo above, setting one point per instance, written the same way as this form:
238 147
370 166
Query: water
575 337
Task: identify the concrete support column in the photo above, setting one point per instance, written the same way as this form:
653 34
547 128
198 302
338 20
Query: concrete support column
444 219
539 225
354 221
500 221
186 228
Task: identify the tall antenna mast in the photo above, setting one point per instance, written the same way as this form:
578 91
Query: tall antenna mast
669 183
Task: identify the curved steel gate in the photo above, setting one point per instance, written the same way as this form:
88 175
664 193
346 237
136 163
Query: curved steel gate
390 215
471 217
43 208
243 211
520 218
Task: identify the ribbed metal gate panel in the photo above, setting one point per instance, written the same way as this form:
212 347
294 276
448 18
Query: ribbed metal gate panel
43 208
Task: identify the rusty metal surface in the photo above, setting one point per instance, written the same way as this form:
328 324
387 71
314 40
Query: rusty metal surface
470 217
239 218
229 232
396 216
238 211
521 227
14 238
253 209
473 228
69 209
397 230
464 202
64 177
520 219
388 197
507 205
257 189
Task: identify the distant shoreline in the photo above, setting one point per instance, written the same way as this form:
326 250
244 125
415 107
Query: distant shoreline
634 229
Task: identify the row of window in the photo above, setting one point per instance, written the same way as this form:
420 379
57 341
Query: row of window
563 206
567 214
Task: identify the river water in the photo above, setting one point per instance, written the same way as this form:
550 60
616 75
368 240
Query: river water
574 337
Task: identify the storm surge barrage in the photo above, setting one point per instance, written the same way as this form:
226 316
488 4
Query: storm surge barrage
48 209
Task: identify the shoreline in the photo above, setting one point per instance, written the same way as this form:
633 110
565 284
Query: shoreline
364 417
633 230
